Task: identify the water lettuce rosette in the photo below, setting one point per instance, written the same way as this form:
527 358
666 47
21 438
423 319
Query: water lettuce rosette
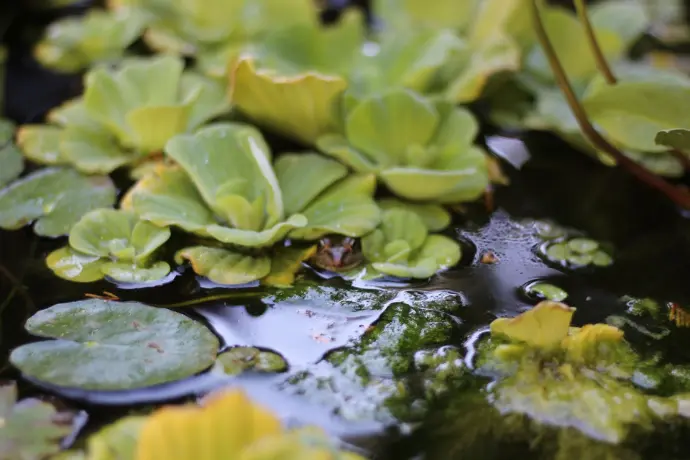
75 43
419 149
125 116
586 378
215 30
449 49
113 243
292 82
226 188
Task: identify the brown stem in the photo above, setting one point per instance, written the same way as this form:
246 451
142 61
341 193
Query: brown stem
602 64
679 196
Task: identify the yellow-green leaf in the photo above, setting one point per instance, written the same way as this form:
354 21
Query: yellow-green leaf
543 326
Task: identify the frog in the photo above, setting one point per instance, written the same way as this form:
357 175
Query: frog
337 254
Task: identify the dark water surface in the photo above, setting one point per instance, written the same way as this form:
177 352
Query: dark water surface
651 241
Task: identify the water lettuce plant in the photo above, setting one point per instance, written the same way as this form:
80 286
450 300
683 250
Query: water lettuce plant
403 247
107 345
420 150
113 243
223 187
544 367
125 116
208 27
291 84
73 44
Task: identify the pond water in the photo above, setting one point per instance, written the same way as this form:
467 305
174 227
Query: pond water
650 242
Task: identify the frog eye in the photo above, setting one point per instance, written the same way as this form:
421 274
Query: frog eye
325 243
348 244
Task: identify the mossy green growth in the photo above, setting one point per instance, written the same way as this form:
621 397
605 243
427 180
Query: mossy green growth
369 379
585 378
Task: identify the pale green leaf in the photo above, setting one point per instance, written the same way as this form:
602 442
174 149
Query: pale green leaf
41 144
117 234
435 217
116 346
397 225
249 238
55 198
303 176
437 253
168 197
153 126
301 107
384 127
337 146
631 113
74 266
224 266
133 273
92 152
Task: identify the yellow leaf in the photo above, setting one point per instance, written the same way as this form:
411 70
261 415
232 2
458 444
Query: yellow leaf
544 326
285 264
304 444
585 341
302 107
221 429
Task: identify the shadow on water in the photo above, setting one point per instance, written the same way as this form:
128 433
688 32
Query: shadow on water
650 237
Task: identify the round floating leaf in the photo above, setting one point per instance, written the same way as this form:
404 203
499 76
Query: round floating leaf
240 359
583 245
56 198
546 291
223 266
11 161
107 345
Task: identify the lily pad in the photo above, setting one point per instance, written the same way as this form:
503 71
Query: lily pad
31 428
116 346
55 198
11 161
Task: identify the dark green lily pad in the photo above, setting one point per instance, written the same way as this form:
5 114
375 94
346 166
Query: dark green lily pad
30 429
11 161
56 198
106 345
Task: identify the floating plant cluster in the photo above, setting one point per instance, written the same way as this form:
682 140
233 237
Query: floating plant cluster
169 159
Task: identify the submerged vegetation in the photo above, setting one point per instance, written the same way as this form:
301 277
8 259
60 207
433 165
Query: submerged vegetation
252 148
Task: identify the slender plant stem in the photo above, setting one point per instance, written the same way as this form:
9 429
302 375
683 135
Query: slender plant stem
602 64
679 196
605 68
211 298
